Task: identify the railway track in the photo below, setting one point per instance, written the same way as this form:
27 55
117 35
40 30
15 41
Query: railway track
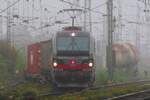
142 95
61 91
121 84
58 92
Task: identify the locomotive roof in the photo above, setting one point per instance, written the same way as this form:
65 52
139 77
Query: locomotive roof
66 33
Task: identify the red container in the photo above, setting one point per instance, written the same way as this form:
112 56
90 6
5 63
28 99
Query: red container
34 60
39 58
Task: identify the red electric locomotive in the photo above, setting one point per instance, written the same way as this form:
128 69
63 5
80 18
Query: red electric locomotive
73 59
68 58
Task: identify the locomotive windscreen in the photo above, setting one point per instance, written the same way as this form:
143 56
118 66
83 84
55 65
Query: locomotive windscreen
73 46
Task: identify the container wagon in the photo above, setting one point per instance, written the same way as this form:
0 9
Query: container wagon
39 59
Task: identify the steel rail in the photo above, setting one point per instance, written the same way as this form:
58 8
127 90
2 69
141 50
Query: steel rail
121 84
142 95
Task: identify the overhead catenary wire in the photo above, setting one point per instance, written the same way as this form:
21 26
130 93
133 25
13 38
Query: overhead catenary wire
10 6
101 5
54 23
92 10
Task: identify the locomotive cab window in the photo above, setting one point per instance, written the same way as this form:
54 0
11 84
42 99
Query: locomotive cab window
73 45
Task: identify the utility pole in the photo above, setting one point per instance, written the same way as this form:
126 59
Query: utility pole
41 16
8 37
1 28
90 15
110 38
146 2
33 11
138 27
13 28
120 37
87 16
147 11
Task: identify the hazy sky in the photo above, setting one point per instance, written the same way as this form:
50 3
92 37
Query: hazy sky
128 11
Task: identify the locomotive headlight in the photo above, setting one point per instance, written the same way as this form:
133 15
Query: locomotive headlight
90 64
55 64
73 34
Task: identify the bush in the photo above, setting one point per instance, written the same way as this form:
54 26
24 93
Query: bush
8 56
7 51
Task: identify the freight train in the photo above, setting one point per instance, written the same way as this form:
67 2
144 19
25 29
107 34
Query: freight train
67 60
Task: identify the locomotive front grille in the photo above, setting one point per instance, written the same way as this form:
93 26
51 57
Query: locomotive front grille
77 61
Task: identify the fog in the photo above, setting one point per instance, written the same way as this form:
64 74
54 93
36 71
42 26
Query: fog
24 23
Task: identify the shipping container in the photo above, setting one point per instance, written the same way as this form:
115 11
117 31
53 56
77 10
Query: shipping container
39 58
33 59
46 57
